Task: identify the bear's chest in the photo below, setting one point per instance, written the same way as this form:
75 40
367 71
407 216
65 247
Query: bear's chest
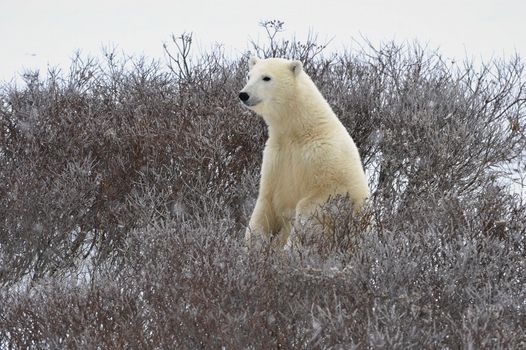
289 162
289 173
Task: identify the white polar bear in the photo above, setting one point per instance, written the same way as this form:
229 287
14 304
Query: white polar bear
309 155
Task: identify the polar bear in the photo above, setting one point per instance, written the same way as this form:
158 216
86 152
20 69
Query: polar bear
309 155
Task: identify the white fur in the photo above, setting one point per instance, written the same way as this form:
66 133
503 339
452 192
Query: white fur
309 154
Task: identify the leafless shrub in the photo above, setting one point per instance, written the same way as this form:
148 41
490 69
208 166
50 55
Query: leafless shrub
307 51
126 186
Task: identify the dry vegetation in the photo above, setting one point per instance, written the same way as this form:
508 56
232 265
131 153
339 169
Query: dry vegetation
125 188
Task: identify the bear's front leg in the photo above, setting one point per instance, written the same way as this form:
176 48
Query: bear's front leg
305 220
262 222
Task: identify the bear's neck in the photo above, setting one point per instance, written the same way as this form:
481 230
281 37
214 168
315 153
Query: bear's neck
303 118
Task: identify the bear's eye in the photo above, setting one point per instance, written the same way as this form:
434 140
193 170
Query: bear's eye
248 77
266 78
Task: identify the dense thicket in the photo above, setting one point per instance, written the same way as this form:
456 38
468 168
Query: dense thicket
126 184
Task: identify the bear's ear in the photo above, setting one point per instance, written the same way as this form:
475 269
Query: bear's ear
296 67
252 61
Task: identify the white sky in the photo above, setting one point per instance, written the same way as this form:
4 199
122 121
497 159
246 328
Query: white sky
38 33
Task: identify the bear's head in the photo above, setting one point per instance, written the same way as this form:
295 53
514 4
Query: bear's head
270 83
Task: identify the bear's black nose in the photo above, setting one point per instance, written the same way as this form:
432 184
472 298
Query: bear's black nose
243 96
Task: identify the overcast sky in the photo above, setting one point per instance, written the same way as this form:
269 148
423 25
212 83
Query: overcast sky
36 34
